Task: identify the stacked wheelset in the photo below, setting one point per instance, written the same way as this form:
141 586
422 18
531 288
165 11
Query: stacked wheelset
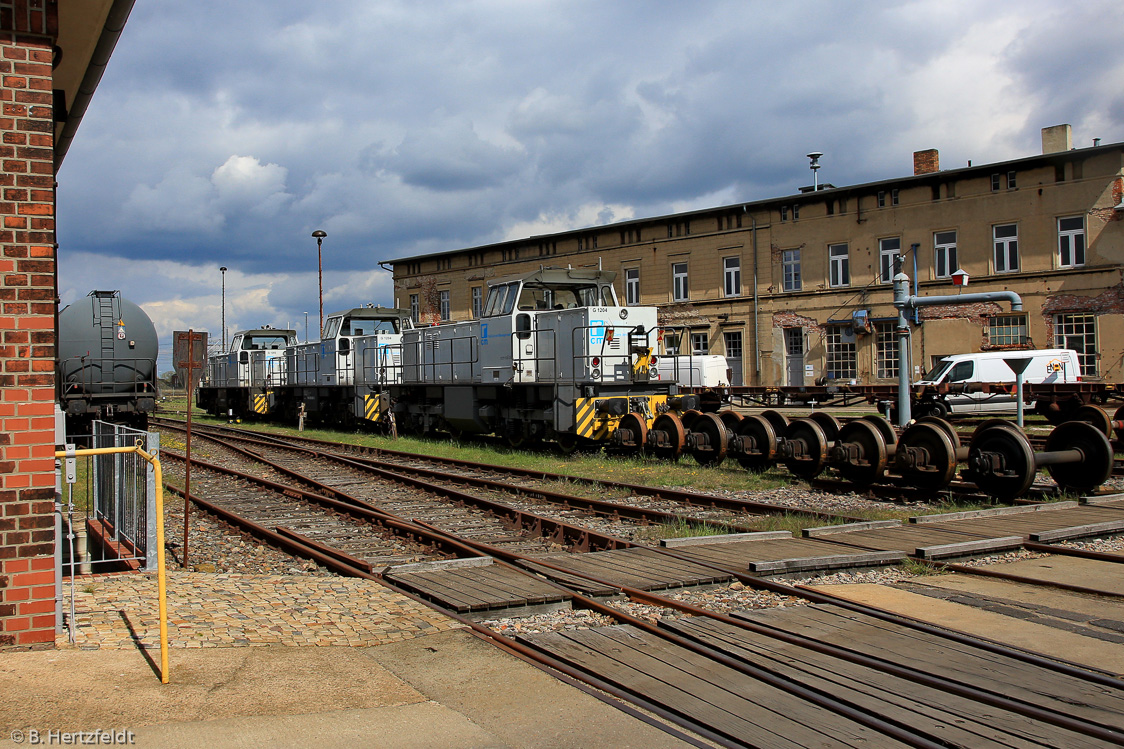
999 457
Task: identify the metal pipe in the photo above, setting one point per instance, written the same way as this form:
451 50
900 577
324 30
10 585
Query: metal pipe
903 300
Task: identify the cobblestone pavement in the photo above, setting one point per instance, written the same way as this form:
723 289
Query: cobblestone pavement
230 610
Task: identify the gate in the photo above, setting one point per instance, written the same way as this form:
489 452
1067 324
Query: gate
107 506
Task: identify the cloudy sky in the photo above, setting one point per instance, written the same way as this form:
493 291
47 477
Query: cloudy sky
225 133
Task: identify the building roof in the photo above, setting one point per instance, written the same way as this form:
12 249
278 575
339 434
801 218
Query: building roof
800 198
88 32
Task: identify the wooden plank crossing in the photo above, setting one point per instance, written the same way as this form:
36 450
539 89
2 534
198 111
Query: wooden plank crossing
1023 524
639 567
932 654
946 717
905 538
799 554
707 693
478 588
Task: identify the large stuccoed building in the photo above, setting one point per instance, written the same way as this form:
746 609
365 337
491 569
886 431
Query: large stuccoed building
796 290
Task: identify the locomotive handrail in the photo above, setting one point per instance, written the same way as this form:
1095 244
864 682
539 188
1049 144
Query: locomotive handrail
382 367
416 372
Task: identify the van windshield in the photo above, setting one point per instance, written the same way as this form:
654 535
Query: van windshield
938 371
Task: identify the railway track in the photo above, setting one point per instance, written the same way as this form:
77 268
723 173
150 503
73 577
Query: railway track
781 678
649 504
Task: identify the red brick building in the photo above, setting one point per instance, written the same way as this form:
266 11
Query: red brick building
52 54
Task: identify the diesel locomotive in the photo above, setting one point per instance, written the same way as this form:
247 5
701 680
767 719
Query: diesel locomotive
553 357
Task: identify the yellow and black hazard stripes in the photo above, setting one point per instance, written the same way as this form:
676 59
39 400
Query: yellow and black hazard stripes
260 404
590 422
373 406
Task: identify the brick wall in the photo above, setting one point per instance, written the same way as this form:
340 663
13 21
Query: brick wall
27 310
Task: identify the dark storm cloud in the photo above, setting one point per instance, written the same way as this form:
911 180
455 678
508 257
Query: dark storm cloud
225 133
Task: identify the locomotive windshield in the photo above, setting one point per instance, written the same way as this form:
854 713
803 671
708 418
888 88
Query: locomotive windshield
368 327
264 342
503 298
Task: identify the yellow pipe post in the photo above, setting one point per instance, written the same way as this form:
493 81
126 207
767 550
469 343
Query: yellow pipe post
161 577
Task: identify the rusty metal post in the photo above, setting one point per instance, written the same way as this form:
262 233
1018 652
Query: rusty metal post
187 462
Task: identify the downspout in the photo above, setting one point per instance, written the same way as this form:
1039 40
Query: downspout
756 341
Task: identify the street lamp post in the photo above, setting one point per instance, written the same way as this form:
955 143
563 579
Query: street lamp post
306 327
320 273
223 270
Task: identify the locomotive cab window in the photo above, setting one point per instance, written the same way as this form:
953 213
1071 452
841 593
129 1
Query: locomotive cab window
332 327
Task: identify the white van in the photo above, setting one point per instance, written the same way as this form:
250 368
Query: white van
702 371
1046 366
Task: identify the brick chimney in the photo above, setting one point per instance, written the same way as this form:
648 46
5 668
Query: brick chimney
1057 139
926 162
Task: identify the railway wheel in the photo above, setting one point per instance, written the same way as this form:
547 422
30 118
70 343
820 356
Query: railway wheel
925 456
709 441
731 419
566 443
1093 469
884 427
805 448
689 417
1001 460
866 458
756 444
631 434
828 423
667 437
777 419
1094 415
950 430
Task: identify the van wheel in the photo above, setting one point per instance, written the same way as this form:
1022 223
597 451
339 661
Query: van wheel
939 410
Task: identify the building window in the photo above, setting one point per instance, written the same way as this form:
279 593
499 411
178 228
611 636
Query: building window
840 364
1007 330
415 308
477 302
730 222
700 343
1079 333
680 293
889 250
784 213
795 212
944 254
632 286
443 300
839 261
732 276
995 182
679 229
790 268
1006 238
886 349
1011 180
671 344
881 198
733 341
894 196
1071 242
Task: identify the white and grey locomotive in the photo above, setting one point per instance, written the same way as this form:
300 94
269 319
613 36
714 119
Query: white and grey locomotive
553 357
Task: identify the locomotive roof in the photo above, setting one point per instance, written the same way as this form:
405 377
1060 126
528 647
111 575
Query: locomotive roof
268 331
560 276
373 313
